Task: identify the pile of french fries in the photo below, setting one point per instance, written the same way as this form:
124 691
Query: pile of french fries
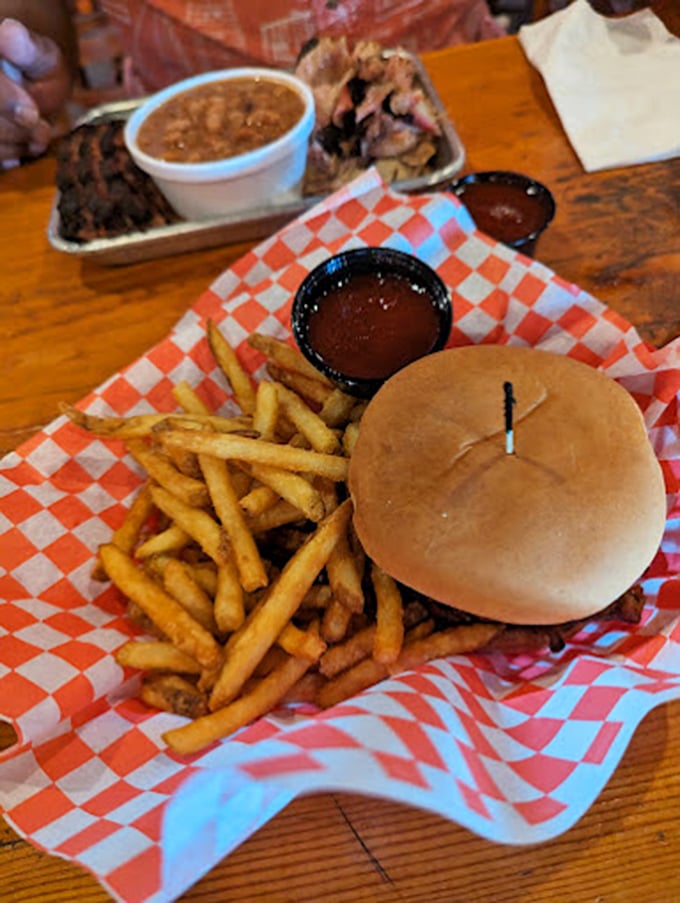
238 559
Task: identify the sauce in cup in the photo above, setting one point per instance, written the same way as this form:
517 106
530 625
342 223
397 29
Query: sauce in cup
373 324
363 314
508 206
506 212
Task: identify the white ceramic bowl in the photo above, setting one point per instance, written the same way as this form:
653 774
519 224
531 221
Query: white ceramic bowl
262 177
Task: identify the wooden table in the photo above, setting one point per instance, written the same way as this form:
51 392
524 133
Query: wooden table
65 326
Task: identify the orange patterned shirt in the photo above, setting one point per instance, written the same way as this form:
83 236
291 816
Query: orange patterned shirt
171 39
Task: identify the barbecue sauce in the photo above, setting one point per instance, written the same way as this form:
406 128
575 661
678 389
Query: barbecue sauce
373 324
506 212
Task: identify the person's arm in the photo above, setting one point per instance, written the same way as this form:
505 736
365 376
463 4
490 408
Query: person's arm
38 58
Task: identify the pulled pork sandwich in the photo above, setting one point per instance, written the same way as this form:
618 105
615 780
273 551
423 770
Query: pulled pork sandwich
549 530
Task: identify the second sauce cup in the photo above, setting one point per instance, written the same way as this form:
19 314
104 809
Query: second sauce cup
508 206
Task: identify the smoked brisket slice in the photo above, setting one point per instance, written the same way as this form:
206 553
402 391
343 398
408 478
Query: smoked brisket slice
102 193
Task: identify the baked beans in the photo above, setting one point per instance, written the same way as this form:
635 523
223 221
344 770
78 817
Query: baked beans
220 119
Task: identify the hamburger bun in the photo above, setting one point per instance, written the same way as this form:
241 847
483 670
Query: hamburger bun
554 532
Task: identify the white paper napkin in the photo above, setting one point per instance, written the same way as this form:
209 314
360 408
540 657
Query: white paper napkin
615 83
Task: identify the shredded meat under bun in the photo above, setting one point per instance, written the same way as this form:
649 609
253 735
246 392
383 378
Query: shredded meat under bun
552 533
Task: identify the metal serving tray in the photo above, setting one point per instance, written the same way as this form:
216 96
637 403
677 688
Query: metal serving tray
244 225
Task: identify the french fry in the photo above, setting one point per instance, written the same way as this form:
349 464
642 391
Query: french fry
205 574
172 539
318 596
141 620
258 500
305 644
306 690
165 612
207 681
126 536
344 577
247 558
336 621
266 413
186 397
229 364
359 645
240 424
156 656
463 638
161 469
337 408
321 438
285 356
180 584
349 438
140 426
194 521
173 693
272 659
293 488
356 549
389 633
229 605
295 440
186 462
266 622
241 481
242 448
342 656
155 565
309 389
358 411
328 491
364 674
137 426
266 694
278 515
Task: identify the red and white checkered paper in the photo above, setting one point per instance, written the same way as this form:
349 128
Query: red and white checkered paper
514 748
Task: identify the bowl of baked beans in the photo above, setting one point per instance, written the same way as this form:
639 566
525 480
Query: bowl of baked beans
225 141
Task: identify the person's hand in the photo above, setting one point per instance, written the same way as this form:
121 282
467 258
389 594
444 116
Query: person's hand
43 85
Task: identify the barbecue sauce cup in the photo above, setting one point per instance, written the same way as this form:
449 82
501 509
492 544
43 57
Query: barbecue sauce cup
508 206
361 315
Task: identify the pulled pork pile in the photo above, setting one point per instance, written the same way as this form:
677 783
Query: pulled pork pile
515 639
370 110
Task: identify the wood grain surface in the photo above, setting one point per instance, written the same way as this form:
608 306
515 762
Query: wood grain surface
66 325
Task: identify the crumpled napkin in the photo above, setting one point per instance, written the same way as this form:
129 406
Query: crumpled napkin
615 83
